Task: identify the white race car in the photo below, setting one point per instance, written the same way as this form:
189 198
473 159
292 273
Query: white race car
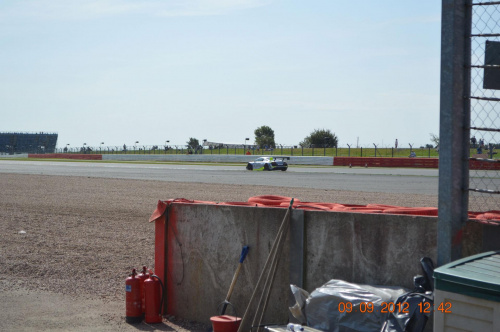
268 164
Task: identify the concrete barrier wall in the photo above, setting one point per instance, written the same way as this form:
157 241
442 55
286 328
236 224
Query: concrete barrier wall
208 158
198 249
204 243
18 155
215 158
66 156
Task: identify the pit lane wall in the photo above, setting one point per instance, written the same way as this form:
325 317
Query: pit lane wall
197 250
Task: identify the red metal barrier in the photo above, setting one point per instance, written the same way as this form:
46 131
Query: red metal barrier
386 162
483 165
67 156
406 162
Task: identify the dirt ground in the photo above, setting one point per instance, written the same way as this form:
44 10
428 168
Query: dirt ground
67 244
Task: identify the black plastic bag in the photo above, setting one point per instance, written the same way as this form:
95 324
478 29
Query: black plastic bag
416 306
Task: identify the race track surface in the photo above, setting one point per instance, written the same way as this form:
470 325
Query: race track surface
387 180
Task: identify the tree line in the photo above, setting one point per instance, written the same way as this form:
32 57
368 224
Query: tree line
264 139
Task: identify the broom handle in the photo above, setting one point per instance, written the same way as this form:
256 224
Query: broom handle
261 308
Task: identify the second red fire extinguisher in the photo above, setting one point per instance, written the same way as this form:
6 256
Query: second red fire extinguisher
142 277
153 294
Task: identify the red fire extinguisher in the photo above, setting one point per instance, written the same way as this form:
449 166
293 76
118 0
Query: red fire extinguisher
153 292
142 277
133 300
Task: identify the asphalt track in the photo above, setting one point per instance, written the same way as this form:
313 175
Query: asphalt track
387 180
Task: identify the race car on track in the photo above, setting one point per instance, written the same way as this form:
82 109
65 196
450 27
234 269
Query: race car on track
268 164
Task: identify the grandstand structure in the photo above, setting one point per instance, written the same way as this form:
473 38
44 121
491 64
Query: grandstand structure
14 143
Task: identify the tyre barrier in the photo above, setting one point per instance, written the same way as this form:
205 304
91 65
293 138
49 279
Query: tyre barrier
423 211
489 217
241 204
271 200
362 209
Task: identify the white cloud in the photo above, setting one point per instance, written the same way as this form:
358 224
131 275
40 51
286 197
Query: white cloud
90 9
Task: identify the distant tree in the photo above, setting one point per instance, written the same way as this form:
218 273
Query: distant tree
264 136
435 139
193 144
320 138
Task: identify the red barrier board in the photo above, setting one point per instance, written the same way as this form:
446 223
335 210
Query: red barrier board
406 162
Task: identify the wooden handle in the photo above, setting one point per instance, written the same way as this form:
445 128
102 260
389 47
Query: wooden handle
233 283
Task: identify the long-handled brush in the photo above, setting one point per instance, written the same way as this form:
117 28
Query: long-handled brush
243 255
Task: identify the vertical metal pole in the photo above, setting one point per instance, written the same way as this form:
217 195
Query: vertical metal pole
453 132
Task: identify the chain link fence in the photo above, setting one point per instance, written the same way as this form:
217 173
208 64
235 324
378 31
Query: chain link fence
484 185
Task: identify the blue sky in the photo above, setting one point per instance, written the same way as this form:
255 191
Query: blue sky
118 71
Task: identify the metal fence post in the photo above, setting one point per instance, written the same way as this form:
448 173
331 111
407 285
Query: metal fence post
453 132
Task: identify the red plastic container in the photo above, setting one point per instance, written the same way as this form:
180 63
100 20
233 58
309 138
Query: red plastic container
225 323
